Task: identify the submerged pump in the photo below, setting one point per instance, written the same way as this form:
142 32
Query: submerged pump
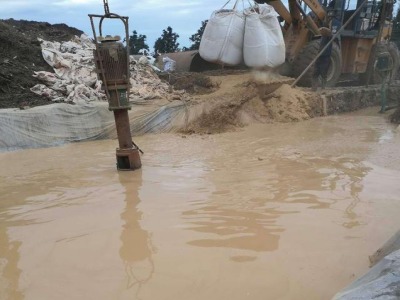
112 67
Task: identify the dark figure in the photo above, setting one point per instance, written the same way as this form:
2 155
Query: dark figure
322 64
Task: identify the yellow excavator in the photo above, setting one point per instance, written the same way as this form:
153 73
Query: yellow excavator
361 36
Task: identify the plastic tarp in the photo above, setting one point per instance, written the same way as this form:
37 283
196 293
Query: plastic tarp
393 244
52 125
61 123
381 282
264 45
222 40
75 81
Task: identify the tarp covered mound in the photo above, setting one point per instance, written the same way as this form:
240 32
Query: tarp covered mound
60 123
75 80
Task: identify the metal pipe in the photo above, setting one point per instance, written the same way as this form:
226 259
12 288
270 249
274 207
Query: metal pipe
328 44
103 77
383 96
106 8
123 128
378 39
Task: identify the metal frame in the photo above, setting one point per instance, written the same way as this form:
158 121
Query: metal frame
124 20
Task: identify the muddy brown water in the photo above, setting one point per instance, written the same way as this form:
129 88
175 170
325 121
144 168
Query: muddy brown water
276 211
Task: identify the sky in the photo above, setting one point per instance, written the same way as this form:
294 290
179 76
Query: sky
147 17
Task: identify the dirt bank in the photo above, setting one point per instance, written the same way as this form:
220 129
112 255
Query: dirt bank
241 99
22 55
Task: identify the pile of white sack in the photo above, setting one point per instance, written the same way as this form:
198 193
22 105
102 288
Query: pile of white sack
75 80
253 36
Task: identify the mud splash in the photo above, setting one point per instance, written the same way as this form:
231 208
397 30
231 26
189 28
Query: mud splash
273 211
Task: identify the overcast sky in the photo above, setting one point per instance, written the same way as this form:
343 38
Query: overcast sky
148 17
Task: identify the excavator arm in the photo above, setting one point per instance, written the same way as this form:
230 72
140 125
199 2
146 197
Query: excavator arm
296 14
298 24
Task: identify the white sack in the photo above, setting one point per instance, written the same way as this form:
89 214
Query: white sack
44 91
169 64
263 40
222 40
74 78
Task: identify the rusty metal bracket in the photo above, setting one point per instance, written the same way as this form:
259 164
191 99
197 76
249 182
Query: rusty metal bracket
109 15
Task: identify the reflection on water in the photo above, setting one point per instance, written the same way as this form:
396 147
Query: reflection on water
136 248
246 220
235 229
9 271
323 182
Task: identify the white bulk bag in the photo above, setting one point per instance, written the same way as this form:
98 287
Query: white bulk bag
222 40
263 40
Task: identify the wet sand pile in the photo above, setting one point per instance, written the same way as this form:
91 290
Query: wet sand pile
242 99
289 104
222 111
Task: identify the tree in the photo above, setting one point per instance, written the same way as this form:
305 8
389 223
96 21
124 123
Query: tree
137 42
196 38
167 42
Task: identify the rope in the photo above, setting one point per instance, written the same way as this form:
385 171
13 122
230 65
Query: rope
234 7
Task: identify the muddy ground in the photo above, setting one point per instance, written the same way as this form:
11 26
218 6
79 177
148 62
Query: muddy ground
21 55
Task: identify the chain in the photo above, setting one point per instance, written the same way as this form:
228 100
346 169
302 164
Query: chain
106 8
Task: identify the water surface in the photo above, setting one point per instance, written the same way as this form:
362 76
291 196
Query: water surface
278 211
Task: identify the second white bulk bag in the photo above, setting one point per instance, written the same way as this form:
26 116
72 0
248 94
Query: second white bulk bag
222 40
263 39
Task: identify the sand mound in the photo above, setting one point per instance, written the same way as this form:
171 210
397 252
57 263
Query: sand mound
289 104
242 100
222 113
